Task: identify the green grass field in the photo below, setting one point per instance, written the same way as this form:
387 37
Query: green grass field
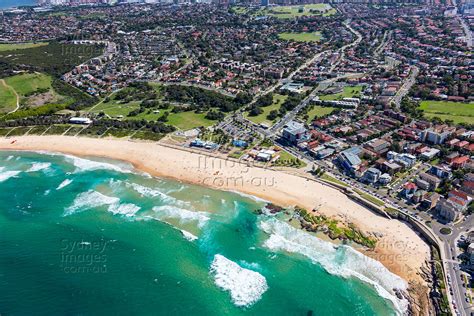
290 12
181 120
447 110
301 37
278 100
318 111
9 47
349 92
7 98
27 83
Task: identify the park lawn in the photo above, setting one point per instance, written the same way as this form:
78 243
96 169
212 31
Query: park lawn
278 100
447 110
301 37
349 92
9 47
114 108
188 120
290 12
318 111
28 83
7 99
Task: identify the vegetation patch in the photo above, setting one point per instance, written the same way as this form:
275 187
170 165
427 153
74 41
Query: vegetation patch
445 230
370 198
334 229
55 58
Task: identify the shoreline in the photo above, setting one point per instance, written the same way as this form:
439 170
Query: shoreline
399 248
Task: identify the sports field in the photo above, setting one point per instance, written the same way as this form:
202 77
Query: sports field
458 112
301 37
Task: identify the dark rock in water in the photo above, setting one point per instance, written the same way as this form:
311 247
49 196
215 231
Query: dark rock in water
273 209
309 313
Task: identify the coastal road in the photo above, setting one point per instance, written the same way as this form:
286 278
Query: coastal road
453 266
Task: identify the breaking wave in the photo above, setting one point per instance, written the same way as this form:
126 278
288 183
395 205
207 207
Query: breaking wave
4 176
82 164
63 184
246 287
127 209
38 166
88 200
183 215
341 260
188 235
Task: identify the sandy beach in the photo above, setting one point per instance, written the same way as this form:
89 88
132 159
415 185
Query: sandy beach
399 248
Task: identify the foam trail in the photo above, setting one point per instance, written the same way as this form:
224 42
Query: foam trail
83 164
252 197
246 287
149 192
4 176
341 260
183 215
9 158
2 168
90 199
63 184
38 166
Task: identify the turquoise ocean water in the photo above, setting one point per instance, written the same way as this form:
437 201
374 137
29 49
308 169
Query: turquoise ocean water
93 237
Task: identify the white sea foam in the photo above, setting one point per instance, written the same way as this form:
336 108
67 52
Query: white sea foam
183 215
2 168
38 166
63 184
245 286
341 260
90 199
9 158
127 209
188 235
4 176
90 165
252 197
150 192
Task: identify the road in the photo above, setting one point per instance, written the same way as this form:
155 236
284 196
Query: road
405 88
453 265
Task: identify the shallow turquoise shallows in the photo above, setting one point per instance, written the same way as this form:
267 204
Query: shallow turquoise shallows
93 237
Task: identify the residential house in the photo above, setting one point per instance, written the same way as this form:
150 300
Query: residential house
432 180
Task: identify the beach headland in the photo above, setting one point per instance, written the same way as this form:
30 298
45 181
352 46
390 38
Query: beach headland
399 248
